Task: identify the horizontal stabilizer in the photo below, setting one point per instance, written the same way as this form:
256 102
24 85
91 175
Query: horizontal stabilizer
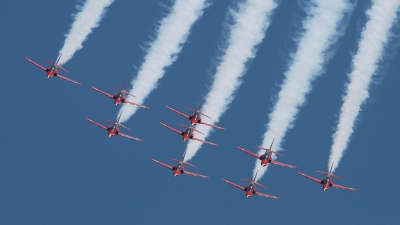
270 150
124 126
332 175
254 183
57 66
186 163
51 63
116 89
62 68
110 121
188 127
182 125
127 93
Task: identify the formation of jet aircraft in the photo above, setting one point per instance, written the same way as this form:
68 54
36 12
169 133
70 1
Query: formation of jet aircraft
188 134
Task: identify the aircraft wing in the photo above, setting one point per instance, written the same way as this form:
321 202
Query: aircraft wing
265 195
130 137
174 130
344 187
162 164
283 164
211 125
186 116
67 79
195 174
103 92
309 177
248 152
135 104
204 141
233 184
34 63
104 127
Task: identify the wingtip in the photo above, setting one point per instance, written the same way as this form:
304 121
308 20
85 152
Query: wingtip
153 160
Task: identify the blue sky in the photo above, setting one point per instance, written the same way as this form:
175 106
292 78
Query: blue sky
57 168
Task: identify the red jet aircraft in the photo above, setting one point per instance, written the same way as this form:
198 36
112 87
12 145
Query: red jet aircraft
179 168
120 96
327 181
195 117
188 133
251 188
267 156
53 70
114 128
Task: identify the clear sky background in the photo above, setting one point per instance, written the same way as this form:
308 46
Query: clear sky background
57 168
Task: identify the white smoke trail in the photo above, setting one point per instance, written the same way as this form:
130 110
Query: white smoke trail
374 37
321 31
251 21
172 34
87 19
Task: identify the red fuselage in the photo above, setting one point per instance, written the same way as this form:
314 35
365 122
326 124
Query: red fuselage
326 183
194 119
176 173
178 169
186 135
265 159
250 190
118 99
50 72
112 131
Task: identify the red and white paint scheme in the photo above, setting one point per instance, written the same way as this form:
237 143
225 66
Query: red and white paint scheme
251 188
52 70
267 156
114 128
195 118
327 181
188 133
120 97
180 167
